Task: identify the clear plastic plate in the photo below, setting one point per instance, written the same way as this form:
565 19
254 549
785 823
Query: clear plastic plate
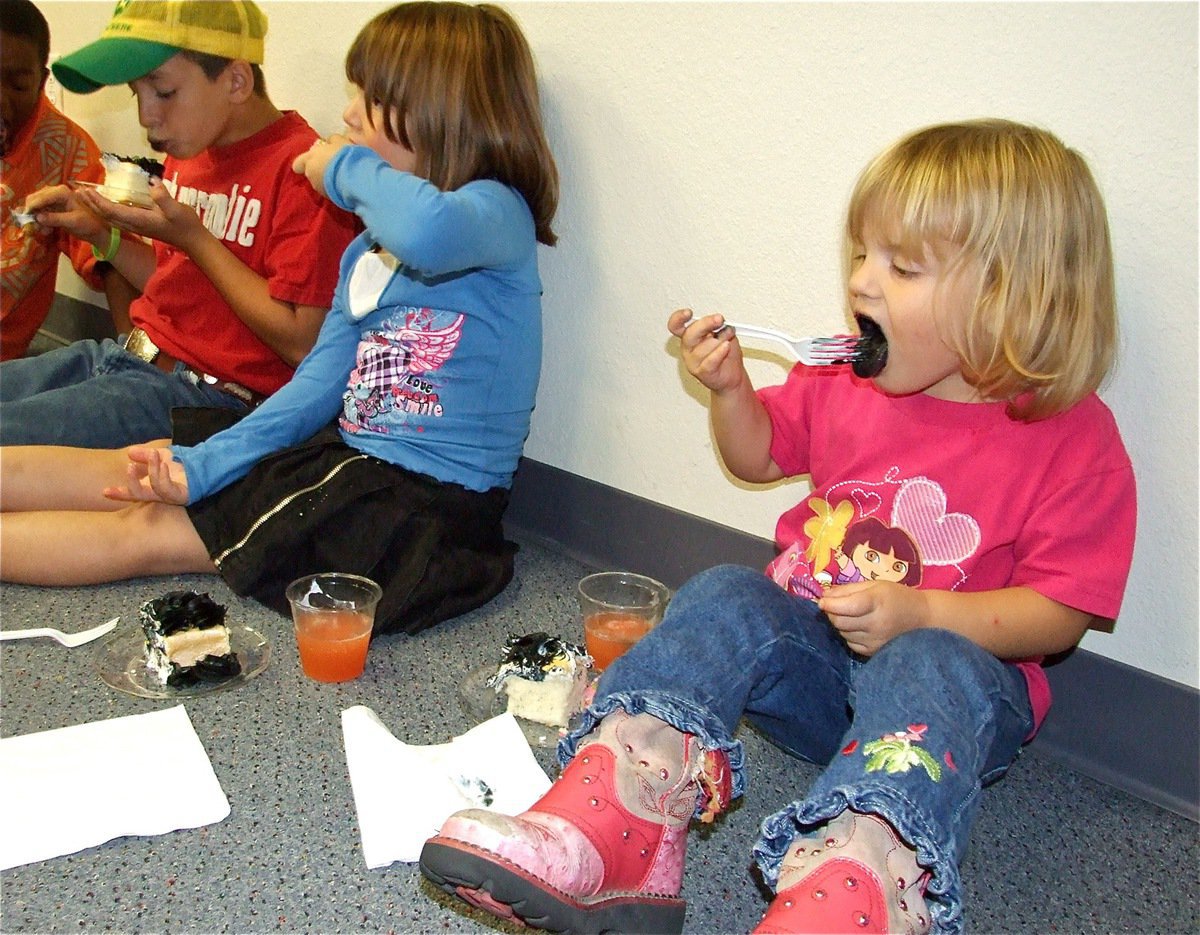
121 196
121 662
481 702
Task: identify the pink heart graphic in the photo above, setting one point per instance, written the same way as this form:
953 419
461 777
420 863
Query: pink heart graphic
868 501
944 538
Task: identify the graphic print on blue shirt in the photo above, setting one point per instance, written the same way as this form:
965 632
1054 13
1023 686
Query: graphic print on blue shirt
394 386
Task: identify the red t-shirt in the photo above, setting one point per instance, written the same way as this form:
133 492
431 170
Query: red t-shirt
49 150
273 221
954 496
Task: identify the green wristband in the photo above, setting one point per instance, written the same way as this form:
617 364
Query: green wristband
114 243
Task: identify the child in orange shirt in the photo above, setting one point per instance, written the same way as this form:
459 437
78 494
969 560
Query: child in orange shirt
38 147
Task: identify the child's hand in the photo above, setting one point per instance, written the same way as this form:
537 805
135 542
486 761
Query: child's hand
312 164
713 357
58 206
870 613
167 220
154 476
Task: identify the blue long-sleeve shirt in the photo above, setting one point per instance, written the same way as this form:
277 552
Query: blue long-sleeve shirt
431 353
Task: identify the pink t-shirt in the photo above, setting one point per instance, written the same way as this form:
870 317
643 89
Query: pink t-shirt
955 496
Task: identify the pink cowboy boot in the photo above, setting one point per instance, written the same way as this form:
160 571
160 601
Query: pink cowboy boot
603 849
854 875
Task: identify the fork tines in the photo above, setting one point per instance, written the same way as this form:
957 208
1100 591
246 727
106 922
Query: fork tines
837 350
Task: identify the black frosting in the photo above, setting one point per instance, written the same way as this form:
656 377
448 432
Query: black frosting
145 163
181 610
872 355
530 655
187 610
206 669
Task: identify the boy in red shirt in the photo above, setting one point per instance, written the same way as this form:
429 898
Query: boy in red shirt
243 254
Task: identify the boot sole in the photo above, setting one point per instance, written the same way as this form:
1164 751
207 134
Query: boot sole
488 881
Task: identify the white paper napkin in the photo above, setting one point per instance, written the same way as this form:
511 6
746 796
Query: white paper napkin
403 793
66 789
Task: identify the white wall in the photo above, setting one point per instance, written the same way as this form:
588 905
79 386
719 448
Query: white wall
706 153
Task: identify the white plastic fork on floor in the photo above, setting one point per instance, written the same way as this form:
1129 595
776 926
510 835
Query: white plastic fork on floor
67 639
815 352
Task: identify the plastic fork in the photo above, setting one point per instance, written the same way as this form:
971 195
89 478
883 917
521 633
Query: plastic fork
816 352
67 639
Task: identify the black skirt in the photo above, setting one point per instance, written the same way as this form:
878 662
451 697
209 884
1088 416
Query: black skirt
436 549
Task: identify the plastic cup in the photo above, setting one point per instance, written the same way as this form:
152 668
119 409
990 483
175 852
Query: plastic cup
334 614
618 609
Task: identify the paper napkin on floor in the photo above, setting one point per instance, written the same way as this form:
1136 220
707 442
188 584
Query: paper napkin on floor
66 789
403 793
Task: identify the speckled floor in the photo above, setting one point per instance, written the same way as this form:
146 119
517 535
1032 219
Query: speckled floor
1053 851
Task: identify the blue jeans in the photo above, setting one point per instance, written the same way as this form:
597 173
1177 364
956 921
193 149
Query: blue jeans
911 734
95 395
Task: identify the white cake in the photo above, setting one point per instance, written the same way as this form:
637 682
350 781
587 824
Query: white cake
186 639
544 678
125 182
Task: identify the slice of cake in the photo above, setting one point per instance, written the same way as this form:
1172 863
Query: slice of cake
187 640
543 676
125 182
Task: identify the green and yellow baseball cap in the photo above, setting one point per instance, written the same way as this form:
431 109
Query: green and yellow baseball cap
143 34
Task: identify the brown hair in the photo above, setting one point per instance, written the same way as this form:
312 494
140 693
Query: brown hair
213 65
1018 210
457 86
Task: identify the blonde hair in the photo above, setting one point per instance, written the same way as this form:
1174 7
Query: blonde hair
457 86
1013 204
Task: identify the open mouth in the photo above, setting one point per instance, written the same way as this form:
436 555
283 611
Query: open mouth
873 353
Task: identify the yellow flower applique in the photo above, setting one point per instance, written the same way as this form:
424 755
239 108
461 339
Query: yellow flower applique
826 530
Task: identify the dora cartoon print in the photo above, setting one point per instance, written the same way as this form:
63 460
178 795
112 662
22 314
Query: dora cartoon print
873 551
844 540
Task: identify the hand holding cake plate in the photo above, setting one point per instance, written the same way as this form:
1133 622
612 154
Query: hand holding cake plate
124 183
121 196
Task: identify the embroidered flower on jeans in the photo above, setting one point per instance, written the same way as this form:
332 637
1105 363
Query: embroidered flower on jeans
898 753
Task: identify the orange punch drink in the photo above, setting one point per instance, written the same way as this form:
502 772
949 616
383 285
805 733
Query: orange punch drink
618 609
608 635
333 614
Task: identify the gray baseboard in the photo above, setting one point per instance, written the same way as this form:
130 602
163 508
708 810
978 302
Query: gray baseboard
1117 724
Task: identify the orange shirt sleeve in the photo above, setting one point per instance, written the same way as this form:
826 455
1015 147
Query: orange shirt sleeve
83 160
